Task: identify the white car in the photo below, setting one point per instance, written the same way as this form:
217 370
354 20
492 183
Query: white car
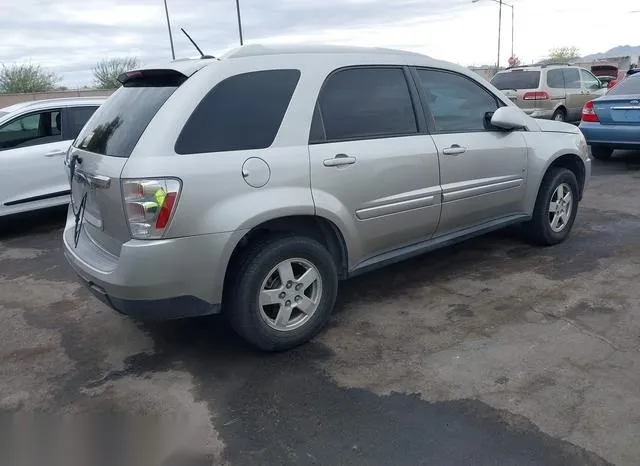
34 138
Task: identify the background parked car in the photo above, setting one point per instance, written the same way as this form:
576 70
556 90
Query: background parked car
613 121
555 92
34 138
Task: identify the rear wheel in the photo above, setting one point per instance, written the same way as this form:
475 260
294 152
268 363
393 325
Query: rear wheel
282 292
601 152
556 207
560 115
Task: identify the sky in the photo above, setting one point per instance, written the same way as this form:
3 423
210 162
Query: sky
70 36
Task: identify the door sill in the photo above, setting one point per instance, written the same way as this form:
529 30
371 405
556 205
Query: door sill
416 249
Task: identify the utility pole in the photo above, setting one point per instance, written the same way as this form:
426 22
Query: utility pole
501 2
499 34
239 21
166 11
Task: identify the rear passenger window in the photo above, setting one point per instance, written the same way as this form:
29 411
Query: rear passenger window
555 79
458 104
243 112
78 116
361 103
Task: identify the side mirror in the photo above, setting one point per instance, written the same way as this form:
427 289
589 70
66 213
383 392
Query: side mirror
509 118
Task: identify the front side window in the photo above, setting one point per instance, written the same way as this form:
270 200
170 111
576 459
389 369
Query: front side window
243 112
457 104
571 78
362 103
30 130
589 81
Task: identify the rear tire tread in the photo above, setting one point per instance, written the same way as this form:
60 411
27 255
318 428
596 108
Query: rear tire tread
246 272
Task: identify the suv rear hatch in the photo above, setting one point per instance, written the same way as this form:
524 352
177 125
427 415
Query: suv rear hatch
101 150
520 85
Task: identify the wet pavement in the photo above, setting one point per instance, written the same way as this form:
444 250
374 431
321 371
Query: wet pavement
489 352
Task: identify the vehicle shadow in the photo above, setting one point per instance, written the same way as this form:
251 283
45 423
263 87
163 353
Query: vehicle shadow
620 162
29 223
212 338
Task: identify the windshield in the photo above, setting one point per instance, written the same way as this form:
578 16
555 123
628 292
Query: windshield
517 80
629 86
115 128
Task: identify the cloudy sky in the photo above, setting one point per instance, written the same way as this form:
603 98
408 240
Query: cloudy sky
69 36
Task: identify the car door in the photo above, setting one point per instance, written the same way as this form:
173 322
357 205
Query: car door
482 169
591 86
575 98
31 159
374 170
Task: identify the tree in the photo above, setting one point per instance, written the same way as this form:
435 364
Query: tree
563 54
106 72
17 79
515 61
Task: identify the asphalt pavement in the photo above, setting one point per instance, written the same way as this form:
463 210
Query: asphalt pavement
491 352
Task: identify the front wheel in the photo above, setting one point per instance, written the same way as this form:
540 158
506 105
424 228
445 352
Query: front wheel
556 207
282 292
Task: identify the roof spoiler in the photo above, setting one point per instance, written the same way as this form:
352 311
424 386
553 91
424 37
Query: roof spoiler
152 78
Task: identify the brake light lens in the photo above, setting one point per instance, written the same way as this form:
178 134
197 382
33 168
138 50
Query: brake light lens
537 95
589 113
149 205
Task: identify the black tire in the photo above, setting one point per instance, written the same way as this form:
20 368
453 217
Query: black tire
601 152
539 228
560 115
242 305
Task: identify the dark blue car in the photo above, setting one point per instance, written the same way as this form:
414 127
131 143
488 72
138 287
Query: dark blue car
613 120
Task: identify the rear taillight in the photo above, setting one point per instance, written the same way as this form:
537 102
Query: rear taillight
149 205
537 95
589 113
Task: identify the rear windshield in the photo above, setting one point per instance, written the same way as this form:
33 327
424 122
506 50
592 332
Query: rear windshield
629 86
517 80
115 128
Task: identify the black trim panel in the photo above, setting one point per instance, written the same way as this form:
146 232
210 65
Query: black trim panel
42 197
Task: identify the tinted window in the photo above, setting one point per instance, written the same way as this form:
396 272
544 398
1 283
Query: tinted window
629 86
517 80
243 112
32 129
555 79
367 102
571 78
78 116
457 103
114 129
589 81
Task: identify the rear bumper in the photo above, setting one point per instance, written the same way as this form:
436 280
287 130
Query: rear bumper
617 137
163 279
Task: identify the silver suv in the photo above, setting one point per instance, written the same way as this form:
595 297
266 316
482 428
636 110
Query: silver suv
251 184
556 92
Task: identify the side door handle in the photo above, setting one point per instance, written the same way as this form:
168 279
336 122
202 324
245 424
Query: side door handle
455 149
55 153
339 160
